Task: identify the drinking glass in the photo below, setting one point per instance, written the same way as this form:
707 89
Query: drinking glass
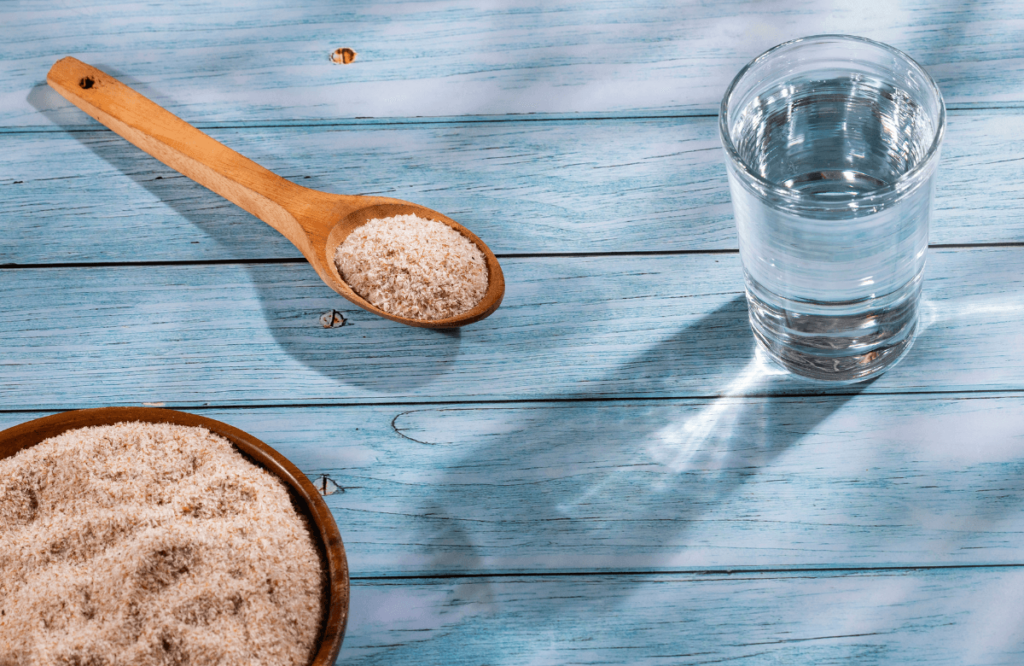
832 143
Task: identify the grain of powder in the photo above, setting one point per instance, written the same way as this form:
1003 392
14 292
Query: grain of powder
149 544
413 267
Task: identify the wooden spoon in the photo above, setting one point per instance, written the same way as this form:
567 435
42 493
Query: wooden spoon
316 222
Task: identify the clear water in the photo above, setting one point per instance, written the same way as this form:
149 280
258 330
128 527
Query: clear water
833 279
835 138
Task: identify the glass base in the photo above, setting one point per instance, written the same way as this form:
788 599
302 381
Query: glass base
836 343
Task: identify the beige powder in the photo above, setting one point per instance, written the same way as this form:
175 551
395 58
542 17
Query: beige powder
143 544
413 267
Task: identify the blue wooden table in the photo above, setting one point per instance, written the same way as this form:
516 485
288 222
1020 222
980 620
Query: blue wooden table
605 470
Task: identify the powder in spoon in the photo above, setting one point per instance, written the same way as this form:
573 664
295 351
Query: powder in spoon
413 267
142 544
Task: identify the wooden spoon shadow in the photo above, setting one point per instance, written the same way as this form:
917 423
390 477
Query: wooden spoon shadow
293 299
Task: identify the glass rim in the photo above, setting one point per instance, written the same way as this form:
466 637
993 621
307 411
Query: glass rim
904 182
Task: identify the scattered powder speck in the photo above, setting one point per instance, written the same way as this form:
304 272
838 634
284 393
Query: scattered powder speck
413 267
144 544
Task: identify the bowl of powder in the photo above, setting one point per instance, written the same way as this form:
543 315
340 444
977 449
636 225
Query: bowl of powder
149 536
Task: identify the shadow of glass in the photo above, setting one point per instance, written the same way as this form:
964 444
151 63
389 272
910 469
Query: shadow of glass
292 298
638 486
621 482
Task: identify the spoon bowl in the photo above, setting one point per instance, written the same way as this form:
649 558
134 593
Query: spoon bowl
315 222
340 231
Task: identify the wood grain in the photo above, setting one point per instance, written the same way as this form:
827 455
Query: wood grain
727 484
951 617
642 486
268 60
657 442
524 187
613 327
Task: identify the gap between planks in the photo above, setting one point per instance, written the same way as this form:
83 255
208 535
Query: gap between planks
955 109
511 255
721 572
969 394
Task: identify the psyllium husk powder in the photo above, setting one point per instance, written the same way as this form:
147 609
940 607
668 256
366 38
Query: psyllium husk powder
413 267
144 544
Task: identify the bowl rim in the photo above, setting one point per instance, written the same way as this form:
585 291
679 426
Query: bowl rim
33 432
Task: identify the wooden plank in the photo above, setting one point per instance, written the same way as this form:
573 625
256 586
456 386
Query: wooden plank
525 187
944 616
267 60
613 327
698 485
902 617
522 187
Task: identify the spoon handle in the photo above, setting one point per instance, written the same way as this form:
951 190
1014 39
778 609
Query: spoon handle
181 146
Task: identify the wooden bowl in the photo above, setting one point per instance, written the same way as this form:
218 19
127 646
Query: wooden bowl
312 504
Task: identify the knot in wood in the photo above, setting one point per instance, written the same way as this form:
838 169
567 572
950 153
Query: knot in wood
332 319
343 56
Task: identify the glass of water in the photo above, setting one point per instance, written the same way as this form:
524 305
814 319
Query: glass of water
832 143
